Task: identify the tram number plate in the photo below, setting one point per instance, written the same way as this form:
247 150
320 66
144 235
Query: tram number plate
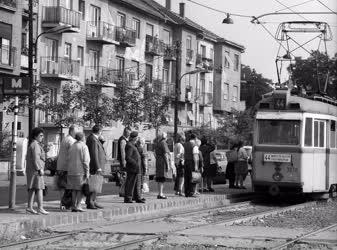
277 157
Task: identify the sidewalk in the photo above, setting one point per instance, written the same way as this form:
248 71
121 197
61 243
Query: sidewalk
16 223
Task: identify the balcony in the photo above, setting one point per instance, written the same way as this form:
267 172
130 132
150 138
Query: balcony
169 90
103 76
188 94
7 57
126 37
101 32
60 67
8 5
189 56
169 53
206 99
53 16
154 46
203 63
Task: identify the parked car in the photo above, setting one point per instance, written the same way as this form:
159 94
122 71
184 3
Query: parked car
220 178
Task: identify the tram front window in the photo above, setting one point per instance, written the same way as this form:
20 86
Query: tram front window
279 132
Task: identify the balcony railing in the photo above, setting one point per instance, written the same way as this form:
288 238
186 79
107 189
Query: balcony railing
9 3
154 46
53 16
189 94
189 56
169 53
101 32
60 67
125 36
203 63
7 55
206 99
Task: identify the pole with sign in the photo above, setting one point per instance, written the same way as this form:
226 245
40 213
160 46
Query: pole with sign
15 86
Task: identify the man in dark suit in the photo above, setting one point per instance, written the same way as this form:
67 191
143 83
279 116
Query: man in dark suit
97 161
133 171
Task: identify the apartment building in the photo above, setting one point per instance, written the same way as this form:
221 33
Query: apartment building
13 57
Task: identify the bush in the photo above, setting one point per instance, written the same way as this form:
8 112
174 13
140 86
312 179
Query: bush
5 144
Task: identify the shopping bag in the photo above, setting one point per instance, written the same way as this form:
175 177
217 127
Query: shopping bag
122 189
85 189
145 188
196 177
95 183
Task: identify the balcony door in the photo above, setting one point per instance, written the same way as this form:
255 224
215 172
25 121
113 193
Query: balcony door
93 58
95 19
51 48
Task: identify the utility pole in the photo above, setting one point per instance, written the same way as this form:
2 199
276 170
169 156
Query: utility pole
177 87
31 110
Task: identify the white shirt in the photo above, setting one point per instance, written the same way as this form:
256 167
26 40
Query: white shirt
178 152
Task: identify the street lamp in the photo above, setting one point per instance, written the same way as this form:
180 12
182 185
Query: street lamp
177 93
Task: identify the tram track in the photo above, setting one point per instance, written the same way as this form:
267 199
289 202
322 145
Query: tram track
28 244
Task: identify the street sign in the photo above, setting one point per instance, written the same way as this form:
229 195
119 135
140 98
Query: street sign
16 85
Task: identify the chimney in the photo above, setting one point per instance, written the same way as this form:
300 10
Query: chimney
168 4
182 10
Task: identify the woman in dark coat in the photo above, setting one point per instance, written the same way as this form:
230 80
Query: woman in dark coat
35 170
232 158
162 164
208 173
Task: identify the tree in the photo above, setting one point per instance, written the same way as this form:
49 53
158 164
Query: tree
313 73
253 86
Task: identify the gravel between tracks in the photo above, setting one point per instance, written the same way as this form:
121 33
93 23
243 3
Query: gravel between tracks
321 214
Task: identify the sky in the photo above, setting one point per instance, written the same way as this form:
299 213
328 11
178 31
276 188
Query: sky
261 47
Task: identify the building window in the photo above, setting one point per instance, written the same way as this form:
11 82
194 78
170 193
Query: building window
4 51
135 69
51 47
53 96
148 72
235 93
67 50
203 51
226 91
136 27
166 72
149 29
121 20
80 55
227 59
93 58
81 8
167 36
120 64
211 54
95 15
189 42
210 87
236 62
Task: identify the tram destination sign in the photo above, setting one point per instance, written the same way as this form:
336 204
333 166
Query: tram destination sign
277 157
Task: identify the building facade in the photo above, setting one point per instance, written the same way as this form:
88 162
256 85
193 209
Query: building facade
106 43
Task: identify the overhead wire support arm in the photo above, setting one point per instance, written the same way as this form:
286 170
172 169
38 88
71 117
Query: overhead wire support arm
256 18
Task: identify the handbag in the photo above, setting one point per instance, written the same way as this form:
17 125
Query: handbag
85 189
95 183
196 177
45 190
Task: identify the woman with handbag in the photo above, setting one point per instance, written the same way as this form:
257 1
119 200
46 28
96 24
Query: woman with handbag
179 163
35 170
241 166
78 170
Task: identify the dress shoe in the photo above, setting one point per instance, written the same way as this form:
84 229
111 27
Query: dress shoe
210 190
30 211
128 201
42 211
91 207
140 201
98 206
161 197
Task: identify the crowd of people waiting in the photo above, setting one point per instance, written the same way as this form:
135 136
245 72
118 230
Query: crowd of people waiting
81 161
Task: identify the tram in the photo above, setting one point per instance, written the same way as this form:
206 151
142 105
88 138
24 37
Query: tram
295 144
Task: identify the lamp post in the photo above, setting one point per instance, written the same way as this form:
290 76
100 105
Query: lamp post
177 93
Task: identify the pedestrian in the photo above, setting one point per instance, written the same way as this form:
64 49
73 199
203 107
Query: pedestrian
200 165
121 174
97 162
141 147
35 170
241 166
163 166
179 163
133 171
213 168
232 158
62 163
191 164
205 149
78 170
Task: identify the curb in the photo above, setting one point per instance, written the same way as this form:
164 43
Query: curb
115 214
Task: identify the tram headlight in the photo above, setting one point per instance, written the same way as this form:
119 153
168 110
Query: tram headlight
277 176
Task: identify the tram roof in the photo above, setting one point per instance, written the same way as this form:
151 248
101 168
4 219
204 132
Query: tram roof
294 103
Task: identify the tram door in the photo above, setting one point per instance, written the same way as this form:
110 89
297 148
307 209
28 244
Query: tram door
320 156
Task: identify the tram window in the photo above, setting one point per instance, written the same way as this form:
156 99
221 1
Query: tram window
308 132
278 132
333 134
319 133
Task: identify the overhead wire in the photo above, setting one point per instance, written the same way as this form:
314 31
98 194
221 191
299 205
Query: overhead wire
289 8
327 7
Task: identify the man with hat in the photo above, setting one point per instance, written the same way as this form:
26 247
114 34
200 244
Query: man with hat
133 171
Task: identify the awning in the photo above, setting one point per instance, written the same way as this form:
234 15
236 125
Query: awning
190 115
